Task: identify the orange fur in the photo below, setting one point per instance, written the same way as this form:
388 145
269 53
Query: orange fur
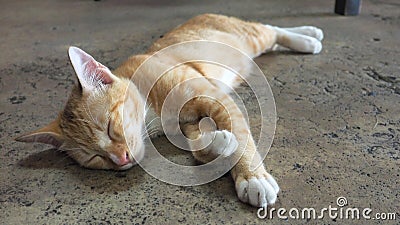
91 130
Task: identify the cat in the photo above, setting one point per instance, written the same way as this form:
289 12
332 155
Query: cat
90 128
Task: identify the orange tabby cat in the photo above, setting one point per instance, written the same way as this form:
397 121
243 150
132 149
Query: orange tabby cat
91 130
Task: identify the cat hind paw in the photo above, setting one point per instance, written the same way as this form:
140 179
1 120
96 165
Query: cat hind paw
317 33
316 46
312 31
309 45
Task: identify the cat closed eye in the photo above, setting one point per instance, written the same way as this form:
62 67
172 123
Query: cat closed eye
112 134
110 131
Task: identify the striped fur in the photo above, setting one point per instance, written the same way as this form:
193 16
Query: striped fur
105 104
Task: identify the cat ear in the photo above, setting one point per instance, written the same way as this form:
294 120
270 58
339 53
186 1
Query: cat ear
91 74
50 134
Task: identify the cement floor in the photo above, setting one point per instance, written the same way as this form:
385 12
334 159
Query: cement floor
337 133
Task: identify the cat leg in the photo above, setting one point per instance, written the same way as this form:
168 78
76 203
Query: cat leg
218 142
256 187
297 42
253 184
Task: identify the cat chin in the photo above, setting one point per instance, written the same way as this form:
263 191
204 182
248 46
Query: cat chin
137 158
127 166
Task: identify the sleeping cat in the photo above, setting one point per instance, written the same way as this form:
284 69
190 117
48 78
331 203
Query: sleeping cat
91 130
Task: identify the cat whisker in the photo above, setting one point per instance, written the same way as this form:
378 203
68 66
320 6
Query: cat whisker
150 129
148 125
147 108
150 133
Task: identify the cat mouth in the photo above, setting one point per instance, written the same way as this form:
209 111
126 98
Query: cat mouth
127 166
117 166
126 162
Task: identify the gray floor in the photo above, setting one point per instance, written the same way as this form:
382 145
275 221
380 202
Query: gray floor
337 133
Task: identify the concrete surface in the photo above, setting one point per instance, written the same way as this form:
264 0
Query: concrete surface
337 134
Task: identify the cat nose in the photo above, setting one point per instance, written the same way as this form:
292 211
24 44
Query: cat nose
125 159
121 160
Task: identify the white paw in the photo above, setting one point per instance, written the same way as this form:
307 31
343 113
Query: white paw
313 32
318 34
317 47
310 31
224 143
258 192
313 45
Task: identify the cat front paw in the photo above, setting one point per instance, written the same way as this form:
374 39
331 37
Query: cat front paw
258 191
224 143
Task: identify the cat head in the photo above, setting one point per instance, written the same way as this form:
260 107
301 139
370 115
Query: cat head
102 124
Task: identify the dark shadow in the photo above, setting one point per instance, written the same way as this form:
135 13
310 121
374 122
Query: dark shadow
171 152
100 181
303 15
50 158
156 3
